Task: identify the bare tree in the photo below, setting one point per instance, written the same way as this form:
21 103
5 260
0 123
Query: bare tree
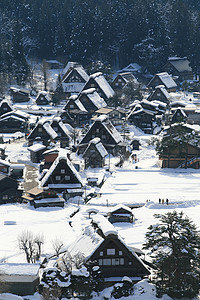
30 245
26 243
78 260
67 262
45 69
57 245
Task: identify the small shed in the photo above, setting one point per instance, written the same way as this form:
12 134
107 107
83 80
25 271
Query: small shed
36 151
121 213
19 278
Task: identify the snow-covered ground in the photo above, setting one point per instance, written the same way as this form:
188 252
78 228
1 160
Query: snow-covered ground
127 185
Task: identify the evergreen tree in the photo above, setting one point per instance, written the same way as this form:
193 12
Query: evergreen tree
174 244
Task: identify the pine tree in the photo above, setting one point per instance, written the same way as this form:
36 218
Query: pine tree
174 244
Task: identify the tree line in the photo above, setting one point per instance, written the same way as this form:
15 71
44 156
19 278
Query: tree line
115 31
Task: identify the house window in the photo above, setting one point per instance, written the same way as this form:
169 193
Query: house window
92 151
58 177
110 251
71 106
107 262
100 262
56 128
115 261
101 253
158 94
62 171
121 261
93 136
120 252
103 136
5 197
116 83
40 129
130 263
97 130
67 177
120 80
5 108
92 84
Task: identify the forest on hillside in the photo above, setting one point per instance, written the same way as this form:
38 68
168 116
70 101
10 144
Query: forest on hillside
114 31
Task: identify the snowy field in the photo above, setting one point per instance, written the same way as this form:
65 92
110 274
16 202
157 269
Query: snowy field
127 185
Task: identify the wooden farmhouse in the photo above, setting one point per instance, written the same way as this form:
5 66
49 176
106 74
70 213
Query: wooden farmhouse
38 197
142 117
5 107
13 121
9 189
103 88
179 67
163 79
19 95
74 80
62 132
121 213
76 111
161 94
110 137
43 98
91 100
62 177
49 156
19 278
94 155
109 252
134 68
43 133
123 79
178 116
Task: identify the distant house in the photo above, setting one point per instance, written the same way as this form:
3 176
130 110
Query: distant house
160 93
63 177
123 79
62 132
13 121
179 67
5 107
103 88
43 133
121 213
76 111
74 79
179 116
43 98
163 79
143 116
19 95
134 68
43 198
54 64
94 155
109 251
9 190
19 278
91 100
110 137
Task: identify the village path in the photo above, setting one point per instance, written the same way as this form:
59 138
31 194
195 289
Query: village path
31 177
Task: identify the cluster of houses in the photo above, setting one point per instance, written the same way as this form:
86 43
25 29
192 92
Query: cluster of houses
54 136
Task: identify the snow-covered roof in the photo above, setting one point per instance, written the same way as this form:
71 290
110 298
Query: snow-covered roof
94 97
103 84
19 113
4 163
163 90
49 130
119 206
3 118
180 64
106 227
36 147
98 145
61 155
167 80
19 269
133 67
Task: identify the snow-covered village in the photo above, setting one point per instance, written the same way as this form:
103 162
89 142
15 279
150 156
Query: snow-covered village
82 183
99 150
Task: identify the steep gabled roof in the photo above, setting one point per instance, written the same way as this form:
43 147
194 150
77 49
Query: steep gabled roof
103 84
166 79
61 156
99 147
180 64
94 97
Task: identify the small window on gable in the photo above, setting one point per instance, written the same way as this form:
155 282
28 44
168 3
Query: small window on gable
56 128
62 171
5 108
67 177
58 177
71 106
97 130
39 129
110 251
120 252
5 197
101 253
